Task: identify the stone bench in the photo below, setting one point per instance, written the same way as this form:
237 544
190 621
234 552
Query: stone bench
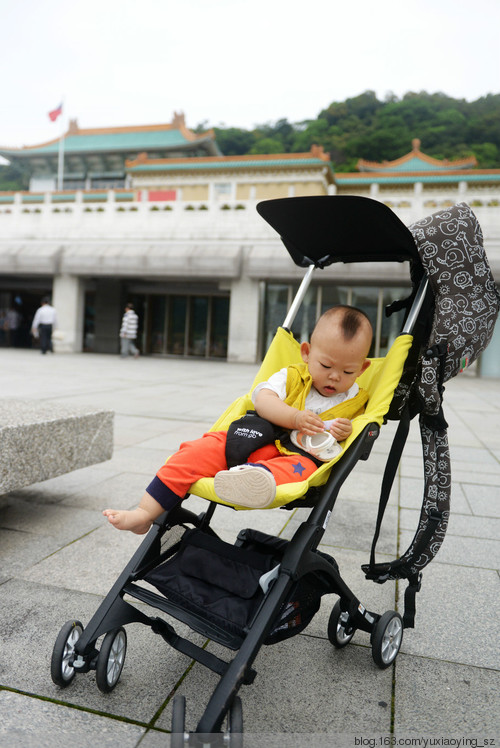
41 440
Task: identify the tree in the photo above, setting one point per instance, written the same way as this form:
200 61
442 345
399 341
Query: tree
14 176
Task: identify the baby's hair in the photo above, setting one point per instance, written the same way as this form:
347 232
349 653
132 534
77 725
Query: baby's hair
350 319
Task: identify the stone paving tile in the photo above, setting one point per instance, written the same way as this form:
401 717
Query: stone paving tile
20 550
465 526
481 553
139 460
441 699
171 440
484 500
90 564
122 491
411 495
303 685
52 725
54 521
458 609
227 522
474 459
31 616
56 489
364 485
352 525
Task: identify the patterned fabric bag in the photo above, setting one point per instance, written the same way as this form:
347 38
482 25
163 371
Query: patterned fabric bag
462 315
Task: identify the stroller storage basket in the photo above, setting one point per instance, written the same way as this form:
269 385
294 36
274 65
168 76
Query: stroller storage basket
225 584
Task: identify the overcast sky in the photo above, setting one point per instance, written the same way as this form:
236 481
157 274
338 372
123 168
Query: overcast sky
231 62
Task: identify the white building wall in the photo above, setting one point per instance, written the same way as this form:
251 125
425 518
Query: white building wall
75 241
243 320
68 300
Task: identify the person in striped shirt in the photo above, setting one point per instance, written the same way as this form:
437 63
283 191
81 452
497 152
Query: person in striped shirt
128 332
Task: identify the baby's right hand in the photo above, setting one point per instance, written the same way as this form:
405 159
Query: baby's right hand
308 422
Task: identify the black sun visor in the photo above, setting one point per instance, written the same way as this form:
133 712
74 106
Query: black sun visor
320 230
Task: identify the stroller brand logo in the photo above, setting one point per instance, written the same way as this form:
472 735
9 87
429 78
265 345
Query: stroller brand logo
248 433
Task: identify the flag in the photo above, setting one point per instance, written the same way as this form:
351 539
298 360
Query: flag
54 114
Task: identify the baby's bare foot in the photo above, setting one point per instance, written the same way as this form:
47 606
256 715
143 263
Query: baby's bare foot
135 520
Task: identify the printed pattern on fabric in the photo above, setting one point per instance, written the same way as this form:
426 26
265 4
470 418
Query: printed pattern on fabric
450 245
466 304
435 512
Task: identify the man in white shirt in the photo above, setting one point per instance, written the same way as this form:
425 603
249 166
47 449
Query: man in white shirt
44 321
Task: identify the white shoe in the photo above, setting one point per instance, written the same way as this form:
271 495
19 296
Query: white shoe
246 485
323 446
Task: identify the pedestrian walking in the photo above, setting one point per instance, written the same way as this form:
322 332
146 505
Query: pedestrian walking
128 332
44 322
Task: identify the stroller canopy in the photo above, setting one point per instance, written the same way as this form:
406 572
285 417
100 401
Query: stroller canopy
320 230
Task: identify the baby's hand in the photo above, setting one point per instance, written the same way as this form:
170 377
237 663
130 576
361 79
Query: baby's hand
308 422
340 428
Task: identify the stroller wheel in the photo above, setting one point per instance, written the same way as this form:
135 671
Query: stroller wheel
339 633
386 638
178 721
61 671
111 659
235 724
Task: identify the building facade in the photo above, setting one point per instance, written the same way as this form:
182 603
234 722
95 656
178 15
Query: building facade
178 234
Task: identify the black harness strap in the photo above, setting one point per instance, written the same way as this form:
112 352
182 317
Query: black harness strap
391 467
414 584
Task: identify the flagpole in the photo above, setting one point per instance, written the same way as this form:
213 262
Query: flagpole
60 158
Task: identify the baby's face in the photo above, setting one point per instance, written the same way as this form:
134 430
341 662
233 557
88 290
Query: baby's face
335 366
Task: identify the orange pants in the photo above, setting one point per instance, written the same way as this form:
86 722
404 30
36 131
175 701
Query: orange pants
203 458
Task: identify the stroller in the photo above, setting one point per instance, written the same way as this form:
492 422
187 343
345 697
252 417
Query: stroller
263 589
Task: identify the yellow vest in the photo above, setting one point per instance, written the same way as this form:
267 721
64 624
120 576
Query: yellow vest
298 386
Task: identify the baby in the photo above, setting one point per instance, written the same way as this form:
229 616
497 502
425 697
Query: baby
299 398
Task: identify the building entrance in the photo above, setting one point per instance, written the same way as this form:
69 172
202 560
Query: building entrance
186 325
18 305
175 324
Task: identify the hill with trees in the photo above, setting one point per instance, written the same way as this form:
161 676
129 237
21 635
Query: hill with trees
364 127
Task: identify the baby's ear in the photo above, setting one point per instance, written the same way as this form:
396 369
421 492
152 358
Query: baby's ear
365 365
304 351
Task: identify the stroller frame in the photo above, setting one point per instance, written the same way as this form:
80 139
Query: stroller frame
75 650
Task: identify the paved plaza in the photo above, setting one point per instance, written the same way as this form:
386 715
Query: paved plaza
59 557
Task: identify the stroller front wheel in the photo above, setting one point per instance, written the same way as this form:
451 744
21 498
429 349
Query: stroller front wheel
339 631
61 668
386 638
111 659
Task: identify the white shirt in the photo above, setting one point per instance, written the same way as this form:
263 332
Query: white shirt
315 401
45 315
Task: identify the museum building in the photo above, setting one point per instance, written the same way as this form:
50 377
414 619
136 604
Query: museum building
158 216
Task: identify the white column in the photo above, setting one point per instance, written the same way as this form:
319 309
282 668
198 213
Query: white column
418 201
68 300
243 321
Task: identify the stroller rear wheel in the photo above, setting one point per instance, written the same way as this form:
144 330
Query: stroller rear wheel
178 721
386 638
339 631
61 668
235 724
111 659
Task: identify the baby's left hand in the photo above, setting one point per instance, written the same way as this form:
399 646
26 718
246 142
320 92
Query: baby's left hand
341 428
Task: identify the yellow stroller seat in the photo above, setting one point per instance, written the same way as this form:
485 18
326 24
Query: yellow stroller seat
379 380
